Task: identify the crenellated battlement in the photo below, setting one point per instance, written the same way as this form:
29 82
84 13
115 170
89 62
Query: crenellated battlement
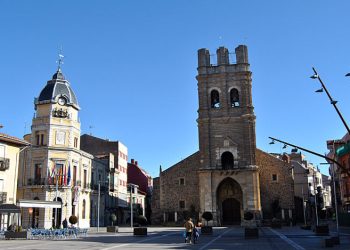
205 59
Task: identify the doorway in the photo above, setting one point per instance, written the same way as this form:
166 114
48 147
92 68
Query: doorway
231 212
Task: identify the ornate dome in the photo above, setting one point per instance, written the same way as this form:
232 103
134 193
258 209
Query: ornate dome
55 88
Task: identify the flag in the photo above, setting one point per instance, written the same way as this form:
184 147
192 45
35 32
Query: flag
68 175
60 175
65 176
48 176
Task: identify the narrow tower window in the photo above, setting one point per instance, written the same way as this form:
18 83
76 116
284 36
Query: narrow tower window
227 161
234 97
215 99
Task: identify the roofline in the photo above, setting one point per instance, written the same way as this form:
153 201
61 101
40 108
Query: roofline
13 140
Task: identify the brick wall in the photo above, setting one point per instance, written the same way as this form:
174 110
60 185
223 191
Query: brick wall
282 189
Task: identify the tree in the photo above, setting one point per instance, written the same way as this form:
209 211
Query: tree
73 219
142 220
113 218
208 216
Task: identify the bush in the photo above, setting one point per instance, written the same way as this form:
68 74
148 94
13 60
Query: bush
113 218
142 220
248 215
208 216
73 219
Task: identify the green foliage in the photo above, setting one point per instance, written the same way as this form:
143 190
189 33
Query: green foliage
208 216
248 215
113 218
73 219
142 220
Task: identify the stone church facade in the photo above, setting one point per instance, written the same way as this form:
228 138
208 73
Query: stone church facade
228 175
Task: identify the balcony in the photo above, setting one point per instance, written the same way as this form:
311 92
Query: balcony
45 182
3 197
4 164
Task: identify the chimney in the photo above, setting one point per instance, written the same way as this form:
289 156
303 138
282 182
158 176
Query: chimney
132 161
136 163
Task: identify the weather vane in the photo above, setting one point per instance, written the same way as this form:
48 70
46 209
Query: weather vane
60 58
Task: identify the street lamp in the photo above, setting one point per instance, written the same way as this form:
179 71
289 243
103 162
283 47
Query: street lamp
333 102
326 158
335 195
133 189
311 152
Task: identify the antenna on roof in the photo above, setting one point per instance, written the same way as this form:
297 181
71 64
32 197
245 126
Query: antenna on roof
60 58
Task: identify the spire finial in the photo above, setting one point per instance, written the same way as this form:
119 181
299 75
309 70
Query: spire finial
60 59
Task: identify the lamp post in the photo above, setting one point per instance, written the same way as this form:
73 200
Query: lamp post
98 207
313 179
324 157
133 189
335 197
311 152
333 102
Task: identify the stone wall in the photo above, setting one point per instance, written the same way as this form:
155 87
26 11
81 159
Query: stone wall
281 189
169 190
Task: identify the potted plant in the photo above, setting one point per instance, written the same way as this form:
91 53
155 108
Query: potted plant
112 229
250 229
207 216
15 232
73 220
276 223
142 230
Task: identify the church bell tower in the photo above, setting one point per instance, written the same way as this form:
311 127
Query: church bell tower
229 181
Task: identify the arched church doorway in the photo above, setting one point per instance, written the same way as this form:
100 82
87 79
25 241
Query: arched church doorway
231 211
230 202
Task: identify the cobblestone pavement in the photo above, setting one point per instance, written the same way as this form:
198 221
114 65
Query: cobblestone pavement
171 238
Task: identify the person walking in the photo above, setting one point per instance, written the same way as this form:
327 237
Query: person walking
195 234
189 228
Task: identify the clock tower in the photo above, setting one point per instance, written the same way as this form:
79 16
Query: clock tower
54 168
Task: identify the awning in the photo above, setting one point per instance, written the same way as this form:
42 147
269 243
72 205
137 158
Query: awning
39 203
9 209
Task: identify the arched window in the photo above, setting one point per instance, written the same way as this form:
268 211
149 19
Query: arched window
215 99
227 161
234 98
84 209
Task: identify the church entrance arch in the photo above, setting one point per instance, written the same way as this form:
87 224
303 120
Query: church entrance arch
230 199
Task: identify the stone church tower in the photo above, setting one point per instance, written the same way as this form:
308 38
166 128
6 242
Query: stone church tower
228 176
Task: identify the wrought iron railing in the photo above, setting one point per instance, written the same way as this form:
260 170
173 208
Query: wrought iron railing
3 197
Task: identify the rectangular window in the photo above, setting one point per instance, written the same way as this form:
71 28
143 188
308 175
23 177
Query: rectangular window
85 178
37 173
182 181
41 139
37 139
1 185
182 204
274 177
75 142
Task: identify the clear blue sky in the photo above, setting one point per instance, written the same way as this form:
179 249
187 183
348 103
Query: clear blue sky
132 65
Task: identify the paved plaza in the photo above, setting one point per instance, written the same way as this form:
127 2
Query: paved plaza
171 238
